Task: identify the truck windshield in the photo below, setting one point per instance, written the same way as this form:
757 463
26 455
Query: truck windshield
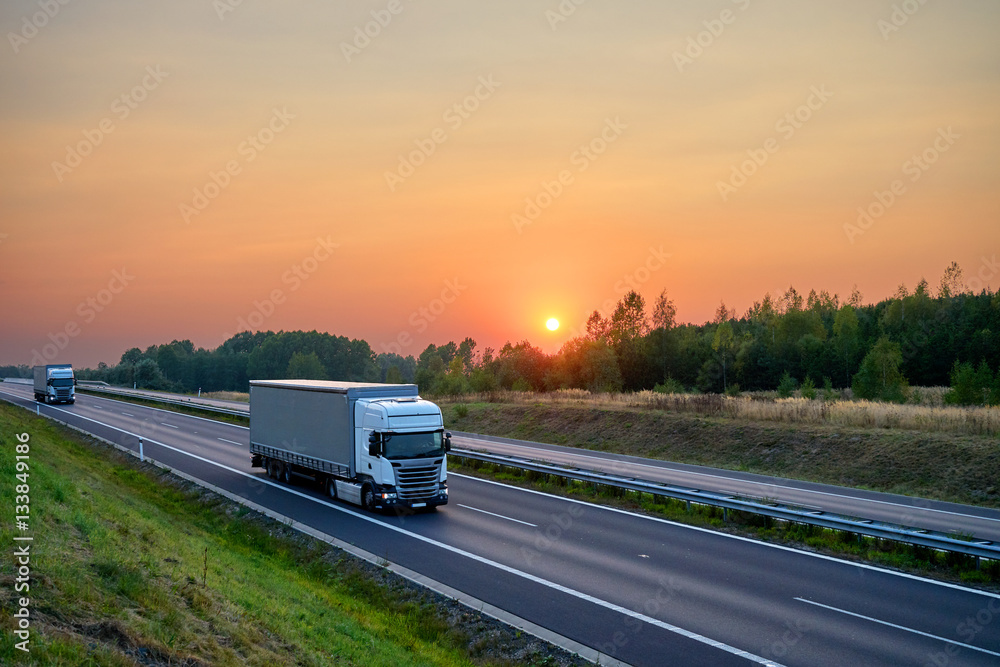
413 445
62 382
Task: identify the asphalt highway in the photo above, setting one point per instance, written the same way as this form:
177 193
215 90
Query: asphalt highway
980 522
645 591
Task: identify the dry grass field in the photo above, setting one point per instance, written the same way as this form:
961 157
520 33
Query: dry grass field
926 411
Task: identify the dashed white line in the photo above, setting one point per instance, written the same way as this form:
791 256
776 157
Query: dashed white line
772 485
128 414
898 627
462 552
170 425
499 516
232 442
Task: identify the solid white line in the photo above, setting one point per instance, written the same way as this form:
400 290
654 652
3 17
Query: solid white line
899 627
461 552
149 407
499 516
170 425
643 465
745 481
769 545
233 442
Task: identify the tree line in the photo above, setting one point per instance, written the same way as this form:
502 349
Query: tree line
924 337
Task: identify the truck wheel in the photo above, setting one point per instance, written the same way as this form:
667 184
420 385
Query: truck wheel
368 497
331 488
272 469
286 473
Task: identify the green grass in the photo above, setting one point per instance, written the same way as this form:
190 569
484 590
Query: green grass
944 466
130 565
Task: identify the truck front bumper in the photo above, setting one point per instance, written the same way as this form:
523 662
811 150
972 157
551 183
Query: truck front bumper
386 499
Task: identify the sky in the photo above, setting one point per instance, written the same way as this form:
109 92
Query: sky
412 172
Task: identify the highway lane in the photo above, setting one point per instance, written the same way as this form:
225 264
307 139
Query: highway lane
634 587
982 522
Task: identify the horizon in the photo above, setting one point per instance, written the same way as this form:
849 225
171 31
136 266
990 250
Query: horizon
407 174
972 287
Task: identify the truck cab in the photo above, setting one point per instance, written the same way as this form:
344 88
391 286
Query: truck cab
55 383
401 448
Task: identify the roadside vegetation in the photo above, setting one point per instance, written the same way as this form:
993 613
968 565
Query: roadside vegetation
814 344
928 411
799 441
130 565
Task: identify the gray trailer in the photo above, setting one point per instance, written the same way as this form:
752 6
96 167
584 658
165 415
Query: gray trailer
376 445
55 383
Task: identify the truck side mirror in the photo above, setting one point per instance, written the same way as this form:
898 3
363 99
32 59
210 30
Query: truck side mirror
447 442
374 444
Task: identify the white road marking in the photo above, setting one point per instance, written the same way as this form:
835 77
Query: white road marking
128 414
172 412
461 552
499 516
899 627
770 545
746 481
170 425
232 442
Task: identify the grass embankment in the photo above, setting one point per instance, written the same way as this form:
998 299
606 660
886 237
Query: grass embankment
130 565
943 465
927 412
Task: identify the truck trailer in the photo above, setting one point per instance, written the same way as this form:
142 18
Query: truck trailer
55 384
380 446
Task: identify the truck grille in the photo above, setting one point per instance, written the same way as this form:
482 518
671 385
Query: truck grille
417 482
62 394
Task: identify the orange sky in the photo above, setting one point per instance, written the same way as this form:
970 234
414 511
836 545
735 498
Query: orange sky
307 231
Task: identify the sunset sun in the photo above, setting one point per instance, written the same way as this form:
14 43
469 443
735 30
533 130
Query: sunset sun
552 324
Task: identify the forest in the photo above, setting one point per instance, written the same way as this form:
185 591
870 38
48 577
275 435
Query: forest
924 337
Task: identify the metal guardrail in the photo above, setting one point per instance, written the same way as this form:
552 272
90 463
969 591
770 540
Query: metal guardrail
919 537
916 536
171 401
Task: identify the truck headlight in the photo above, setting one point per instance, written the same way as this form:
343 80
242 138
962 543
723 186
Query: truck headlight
388 496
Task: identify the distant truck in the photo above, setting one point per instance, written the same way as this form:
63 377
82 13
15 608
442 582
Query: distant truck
55 384
380 446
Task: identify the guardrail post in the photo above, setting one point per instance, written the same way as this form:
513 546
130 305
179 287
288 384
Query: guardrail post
141 457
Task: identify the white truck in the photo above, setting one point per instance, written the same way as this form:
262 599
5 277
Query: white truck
55 383
380 446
